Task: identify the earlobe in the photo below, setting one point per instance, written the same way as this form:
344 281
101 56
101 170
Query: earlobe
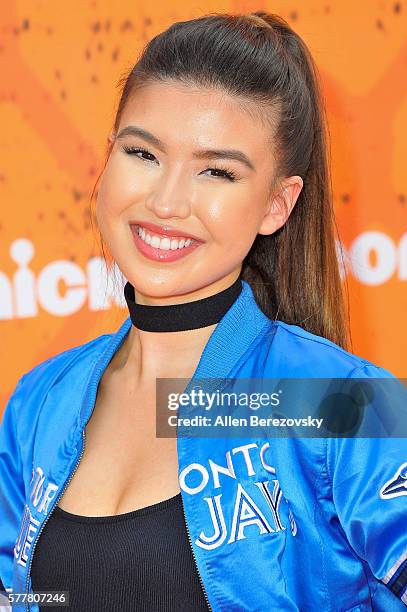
275 216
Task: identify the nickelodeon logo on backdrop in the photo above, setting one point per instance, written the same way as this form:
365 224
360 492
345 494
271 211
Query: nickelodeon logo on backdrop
373 258
24 293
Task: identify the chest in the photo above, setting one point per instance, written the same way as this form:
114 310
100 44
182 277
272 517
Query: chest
125 466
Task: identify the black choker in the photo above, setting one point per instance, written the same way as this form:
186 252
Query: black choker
181 317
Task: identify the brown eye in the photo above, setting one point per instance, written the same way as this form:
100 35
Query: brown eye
135 150
224 173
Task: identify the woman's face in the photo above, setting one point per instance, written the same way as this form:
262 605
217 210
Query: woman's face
196 161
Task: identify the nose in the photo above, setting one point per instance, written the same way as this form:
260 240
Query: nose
170 196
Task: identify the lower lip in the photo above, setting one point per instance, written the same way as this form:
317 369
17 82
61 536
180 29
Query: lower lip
161 254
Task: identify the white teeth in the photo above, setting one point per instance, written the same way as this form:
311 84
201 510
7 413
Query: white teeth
164 243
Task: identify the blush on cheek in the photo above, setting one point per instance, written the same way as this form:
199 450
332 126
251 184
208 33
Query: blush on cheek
111 180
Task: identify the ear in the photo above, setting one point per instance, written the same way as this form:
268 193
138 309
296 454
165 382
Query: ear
111 138
280 205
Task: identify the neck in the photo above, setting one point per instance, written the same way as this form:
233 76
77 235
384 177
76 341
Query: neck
148 353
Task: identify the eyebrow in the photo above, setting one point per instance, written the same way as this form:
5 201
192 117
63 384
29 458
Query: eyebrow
133 130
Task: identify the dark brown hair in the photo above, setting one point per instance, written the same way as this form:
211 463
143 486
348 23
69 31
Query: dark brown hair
294 272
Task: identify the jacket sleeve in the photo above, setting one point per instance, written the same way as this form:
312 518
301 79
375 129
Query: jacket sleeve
369 482
12 491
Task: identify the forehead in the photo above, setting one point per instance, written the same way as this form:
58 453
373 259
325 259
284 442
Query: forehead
199 116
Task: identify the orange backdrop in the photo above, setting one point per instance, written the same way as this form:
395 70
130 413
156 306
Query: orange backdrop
60 63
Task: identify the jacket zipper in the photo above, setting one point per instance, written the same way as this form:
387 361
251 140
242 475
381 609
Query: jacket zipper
56 502
28 607
193 555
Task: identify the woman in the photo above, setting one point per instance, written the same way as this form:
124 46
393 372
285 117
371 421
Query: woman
215 204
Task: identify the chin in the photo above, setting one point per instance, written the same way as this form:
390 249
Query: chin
163 289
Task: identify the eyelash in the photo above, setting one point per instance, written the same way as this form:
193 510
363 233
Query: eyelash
228 174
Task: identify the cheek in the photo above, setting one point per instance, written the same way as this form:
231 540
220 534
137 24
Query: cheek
119 187
107 201
233 220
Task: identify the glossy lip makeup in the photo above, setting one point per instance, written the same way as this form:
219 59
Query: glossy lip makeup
174 244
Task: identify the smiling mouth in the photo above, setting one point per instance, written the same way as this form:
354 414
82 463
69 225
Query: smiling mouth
165 243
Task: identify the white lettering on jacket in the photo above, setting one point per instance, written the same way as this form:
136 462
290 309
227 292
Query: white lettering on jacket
28 531
40 497
245 510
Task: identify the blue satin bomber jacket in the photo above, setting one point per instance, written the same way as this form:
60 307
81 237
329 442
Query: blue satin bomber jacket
299 526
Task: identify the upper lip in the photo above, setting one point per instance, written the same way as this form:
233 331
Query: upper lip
165 230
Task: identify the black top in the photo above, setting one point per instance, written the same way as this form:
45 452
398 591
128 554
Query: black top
141 560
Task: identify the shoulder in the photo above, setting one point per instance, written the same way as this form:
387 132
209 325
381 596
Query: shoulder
55 365
48 397
66 372
300 352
